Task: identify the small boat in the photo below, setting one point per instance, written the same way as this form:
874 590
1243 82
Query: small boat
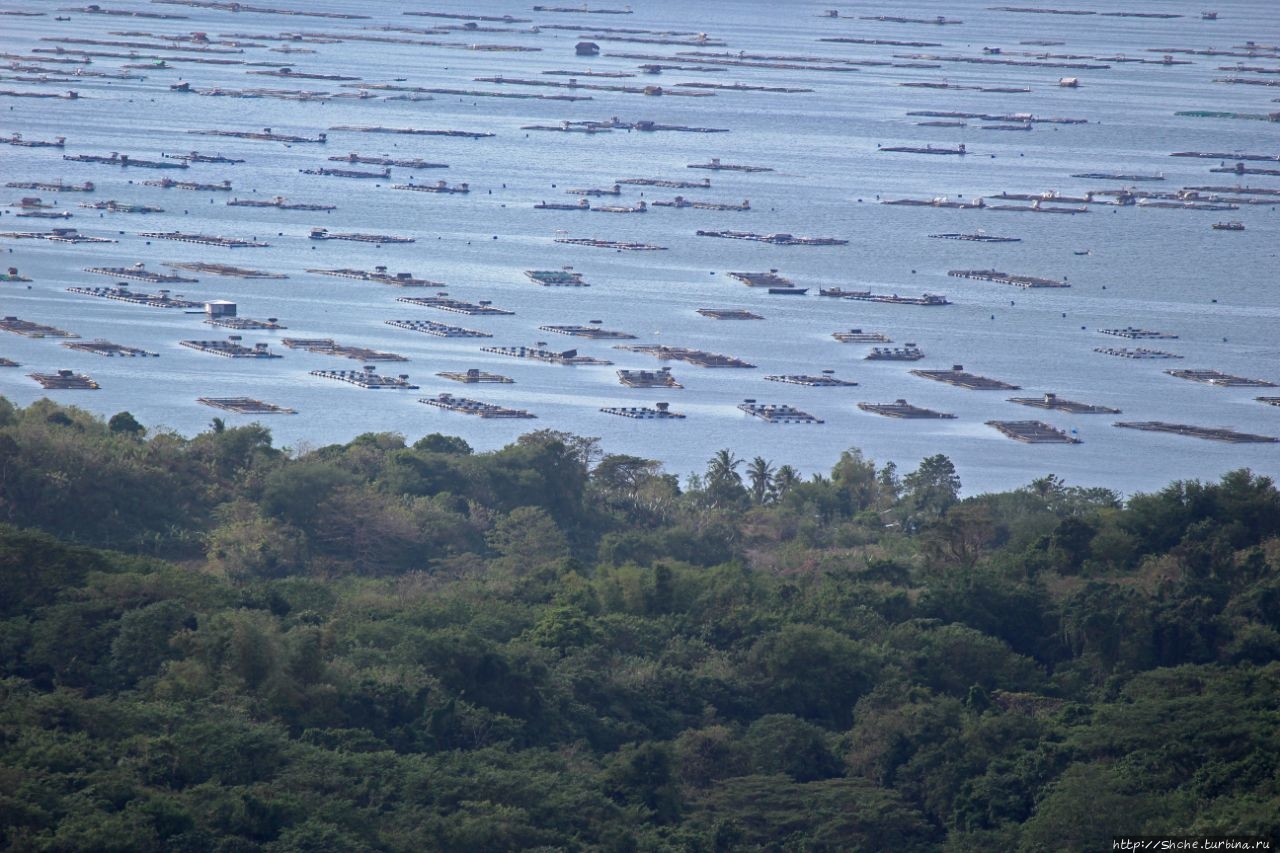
1228 226
1083 252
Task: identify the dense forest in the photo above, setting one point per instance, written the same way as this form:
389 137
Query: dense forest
212 644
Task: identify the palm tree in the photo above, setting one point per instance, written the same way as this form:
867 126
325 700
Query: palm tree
784 480
760 473
722 469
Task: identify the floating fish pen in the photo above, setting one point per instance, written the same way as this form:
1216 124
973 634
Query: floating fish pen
440 330
822 381
121 293
570 356
857 336
327 346
596 191
52 186
788 291
658 412
1136 352
1033 432
959 377
939 201
245 406
762 279
1242 169
245 323
902 409
930 299
171 184
474 375
65 380
1038 206
1212 433
465 134
616 245
462 405
1228 226
692 356
638 207
278 203
1023 281
1187 205
1117 176
379 275
114 159
197 157
12 274
705 183
368 378
264 136
121 207
410 163
682 202
781 239
18 140
716 166
580 204
959 150
1139 334
729 314
204 239
106 348
593 332
556 278
57 235
437 187
10 93
1214 377
231 348
1053 401
44 214
456 306
909 352
33 330
225 270
326 234
1270 401
660 378
777 413
8 362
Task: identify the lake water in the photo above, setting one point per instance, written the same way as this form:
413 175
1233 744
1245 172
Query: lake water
1159 269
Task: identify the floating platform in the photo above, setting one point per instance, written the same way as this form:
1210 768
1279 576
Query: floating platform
763 279
778 239
959 150
112 206
197 157
595 191
413 131
822 381
456 306
556 278
245 406
440 330
116 159
464 406
716 166
1212 433
692 356
1139 334
1270 401
224 270
171 184
380 275
705 183
777 413
121 293
1053 401
231 348
8 362
13 275
474 375
204 239
106 348
246 324
1033 432
52 186
138 272
368 378
570 357
939 201
327 346
593 332
857 336
265 135
1136 352
958 376
33 330
388 161
909 352
902 409
1226 380
929 299
18 140
729 314
56 235
278 203
325 234
1023 281
660 378
65 380
617 245
658 412
438 187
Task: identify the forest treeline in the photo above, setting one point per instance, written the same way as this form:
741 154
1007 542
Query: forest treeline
213 644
